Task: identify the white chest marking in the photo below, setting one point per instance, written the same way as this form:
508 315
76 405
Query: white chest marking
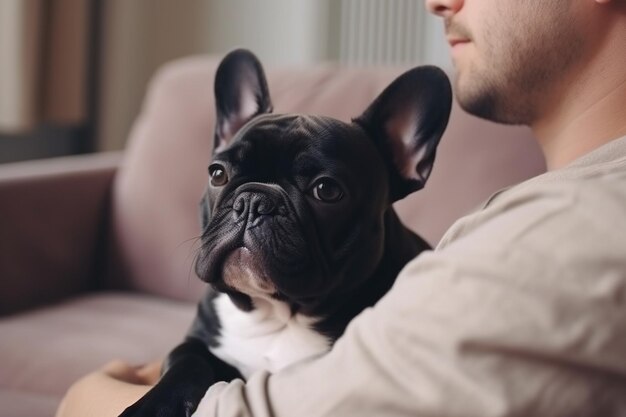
268 337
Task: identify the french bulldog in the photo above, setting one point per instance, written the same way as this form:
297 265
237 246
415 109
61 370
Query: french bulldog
299 234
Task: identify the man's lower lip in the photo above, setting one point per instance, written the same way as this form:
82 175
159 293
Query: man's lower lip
459 44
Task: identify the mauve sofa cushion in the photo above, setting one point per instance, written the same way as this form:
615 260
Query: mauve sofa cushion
26 404
45 350
164 174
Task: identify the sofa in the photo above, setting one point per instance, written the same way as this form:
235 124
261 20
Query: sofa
97 251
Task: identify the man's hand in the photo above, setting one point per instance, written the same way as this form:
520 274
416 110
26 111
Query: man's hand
140 375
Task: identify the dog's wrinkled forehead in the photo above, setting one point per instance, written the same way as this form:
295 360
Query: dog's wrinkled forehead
291 134
293 127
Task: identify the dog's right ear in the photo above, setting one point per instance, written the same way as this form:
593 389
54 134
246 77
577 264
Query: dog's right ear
241 93
406 122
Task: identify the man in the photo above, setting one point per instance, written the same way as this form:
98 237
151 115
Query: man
521 310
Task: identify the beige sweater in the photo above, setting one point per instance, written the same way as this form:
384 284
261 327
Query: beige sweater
520 311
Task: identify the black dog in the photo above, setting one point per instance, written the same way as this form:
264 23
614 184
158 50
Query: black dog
299 234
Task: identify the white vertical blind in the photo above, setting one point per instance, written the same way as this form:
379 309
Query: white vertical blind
381 32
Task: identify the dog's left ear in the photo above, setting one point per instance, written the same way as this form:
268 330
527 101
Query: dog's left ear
406 121
241 93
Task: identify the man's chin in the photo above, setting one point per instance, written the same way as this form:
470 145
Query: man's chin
477 105
486 105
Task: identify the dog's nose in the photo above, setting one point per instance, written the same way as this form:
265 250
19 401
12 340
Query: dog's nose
252 206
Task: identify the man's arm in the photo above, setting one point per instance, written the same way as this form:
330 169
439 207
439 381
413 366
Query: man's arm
523 315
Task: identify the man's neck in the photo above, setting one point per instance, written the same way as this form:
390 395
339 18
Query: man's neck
589 112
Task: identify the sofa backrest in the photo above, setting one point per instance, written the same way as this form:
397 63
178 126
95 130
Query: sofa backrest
156 192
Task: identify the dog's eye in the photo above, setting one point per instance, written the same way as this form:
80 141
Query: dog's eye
218 175
327 190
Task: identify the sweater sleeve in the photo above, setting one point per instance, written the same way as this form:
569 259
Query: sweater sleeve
522 314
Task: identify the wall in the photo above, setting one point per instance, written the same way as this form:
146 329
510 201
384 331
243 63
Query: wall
436 49
19 46
280 32
138 37
141 35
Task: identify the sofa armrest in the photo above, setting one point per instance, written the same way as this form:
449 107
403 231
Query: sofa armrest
52 218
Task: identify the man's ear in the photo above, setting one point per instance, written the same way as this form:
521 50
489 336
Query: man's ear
406 122
241 93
